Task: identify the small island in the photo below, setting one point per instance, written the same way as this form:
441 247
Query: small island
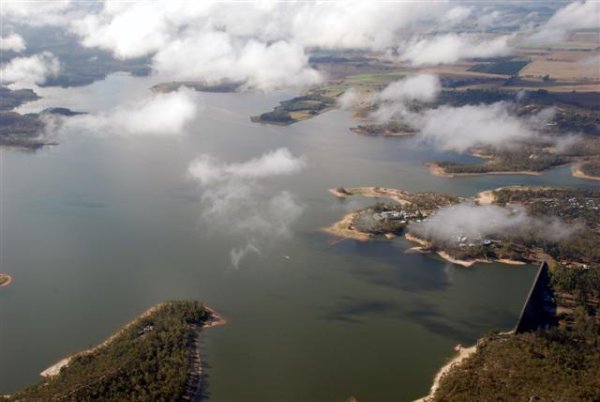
154 357
390 129
5 280
526 162
299 108
25 131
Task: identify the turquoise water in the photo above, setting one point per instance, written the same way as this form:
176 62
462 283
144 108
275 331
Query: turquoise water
98 229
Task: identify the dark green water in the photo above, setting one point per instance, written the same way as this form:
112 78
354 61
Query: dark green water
96 230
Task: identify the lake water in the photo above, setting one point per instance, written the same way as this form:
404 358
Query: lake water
98 229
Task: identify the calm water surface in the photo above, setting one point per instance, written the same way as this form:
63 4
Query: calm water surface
99 228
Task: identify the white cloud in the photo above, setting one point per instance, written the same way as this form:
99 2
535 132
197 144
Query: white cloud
457 15
280 162
213 56
262 43
450 48
37 12
235 202
237 254
358 24
348 99
419 87
156 115
461 128
135 28
394 99
13 42
574 16
480 221
127 29
31 69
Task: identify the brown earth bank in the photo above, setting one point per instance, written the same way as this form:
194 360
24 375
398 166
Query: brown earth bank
577 172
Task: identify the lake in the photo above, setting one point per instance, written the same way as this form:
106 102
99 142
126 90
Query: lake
99 228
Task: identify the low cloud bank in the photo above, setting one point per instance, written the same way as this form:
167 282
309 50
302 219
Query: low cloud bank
477 222
215 56
235 201
419 87
164 115
464 127
12 42
574 16
393 100
31 69
450 48
451 128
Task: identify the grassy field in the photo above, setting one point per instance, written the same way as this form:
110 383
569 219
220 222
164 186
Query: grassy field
509 67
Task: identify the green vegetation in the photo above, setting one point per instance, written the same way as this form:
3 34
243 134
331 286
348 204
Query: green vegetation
149 360
526 367
297 109
507 162
572 230
393 217
578 207
587 123
374 80
473 96
392 128
553 364
508 67
3 279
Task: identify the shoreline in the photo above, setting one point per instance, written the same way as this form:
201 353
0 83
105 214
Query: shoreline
372 192
8 281
338 194
437 170
55 368
577 172
343 228
424 245
462 354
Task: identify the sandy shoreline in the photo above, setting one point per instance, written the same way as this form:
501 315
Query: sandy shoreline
9 279
54 369
339 194
577 172
488 197
343 228
462 355
424 245
437 170
215 320
485 197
